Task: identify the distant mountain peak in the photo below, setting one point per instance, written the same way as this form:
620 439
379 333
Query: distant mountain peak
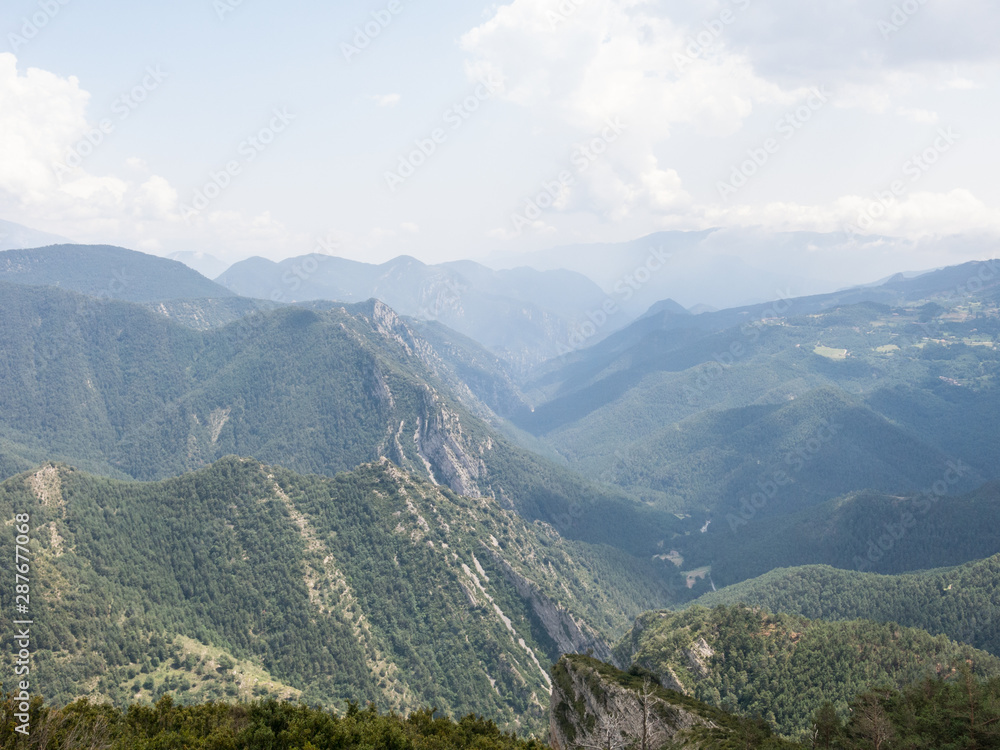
667 306
107 271
17 236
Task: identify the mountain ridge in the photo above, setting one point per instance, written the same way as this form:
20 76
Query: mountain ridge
123 391
107 271
371 585
520 314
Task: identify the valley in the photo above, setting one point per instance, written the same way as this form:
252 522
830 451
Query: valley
240 499
519 375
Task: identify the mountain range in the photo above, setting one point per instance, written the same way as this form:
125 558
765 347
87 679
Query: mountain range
372 586
725 268
902 372
118 389
521 314
784 667
312 495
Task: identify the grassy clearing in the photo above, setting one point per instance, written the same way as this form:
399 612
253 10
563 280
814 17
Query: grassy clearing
826 351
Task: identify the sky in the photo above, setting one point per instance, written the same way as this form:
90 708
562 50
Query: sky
483 130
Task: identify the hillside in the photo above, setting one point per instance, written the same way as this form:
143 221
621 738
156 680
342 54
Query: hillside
664 329
865 531
784 667
107 272
242 580
261 725
795 453
475 375
962 603
524 316
663 341
211 312
117 390
595 705
695 412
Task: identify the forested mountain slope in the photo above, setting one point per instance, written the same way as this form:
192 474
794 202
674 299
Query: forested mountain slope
243 579
522 315
109 272
962 603
864 531
784 667
596 705
694 413
664 329
115 389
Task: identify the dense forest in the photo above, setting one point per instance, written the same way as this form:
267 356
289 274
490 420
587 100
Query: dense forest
962 603
932 714
121 391
782 668
242 580
248 515
261 725
597 706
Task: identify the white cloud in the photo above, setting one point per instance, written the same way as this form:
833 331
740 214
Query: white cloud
698 72
917 114
613 58
41 115
914 216
157 199
43 122
619 59
961 84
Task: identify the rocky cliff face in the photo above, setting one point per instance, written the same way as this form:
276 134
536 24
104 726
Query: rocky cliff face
439 442
571 636
595 705
693 661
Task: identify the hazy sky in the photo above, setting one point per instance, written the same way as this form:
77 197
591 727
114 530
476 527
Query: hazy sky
460 129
